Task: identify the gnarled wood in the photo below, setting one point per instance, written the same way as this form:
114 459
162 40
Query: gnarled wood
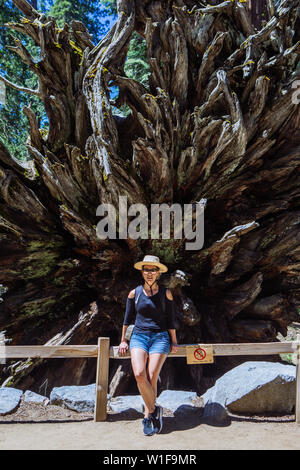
216 122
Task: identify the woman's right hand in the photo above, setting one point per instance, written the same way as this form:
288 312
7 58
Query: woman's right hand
123 348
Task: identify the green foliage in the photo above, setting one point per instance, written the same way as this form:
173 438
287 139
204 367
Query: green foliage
90 12
136 65
166 249
290 358
110 6
13 69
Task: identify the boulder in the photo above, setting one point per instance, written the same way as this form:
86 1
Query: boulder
253 388
174 399
127 402
9 399
79 398
32 397
215 414
180 402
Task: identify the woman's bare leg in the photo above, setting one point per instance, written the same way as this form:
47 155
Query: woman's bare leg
138 362
155 363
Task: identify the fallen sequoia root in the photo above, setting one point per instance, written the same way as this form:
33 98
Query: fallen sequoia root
217 123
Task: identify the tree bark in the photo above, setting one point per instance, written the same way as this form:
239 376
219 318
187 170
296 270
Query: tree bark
217 124
259 11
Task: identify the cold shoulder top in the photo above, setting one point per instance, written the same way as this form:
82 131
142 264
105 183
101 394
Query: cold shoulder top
149 314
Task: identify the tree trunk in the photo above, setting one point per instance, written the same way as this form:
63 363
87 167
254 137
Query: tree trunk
217 124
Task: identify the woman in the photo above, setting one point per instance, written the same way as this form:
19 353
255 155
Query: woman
151 308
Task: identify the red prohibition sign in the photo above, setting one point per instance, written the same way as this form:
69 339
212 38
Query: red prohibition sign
199 354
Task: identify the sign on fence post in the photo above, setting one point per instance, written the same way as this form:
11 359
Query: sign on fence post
102 380
200 354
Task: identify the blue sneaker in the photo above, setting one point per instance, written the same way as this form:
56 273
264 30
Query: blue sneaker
147 427
156 418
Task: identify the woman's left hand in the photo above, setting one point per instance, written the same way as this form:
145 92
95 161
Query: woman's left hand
174 348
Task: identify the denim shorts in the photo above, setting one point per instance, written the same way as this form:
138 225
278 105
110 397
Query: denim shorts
151 342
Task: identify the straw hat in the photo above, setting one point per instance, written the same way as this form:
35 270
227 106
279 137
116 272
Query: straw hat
152 260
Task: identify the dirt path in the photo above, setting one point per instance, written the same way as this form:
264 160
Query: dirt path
127 435
37 427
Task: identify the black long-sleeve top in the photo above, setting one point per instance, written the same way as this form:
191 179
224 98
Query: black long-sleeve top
147 313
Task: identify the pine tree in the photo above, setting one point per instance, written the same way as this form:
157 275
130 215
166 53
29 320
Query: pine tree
90 12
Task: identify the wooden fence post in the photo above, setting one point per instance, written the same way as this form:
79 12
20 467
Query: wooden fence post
297 409
102 380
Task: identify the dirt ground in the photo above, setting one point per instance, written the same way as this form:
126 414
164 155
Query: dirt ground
39 427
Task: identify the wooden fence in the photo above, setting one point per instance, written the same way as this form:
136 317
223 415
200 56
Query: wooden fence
103 352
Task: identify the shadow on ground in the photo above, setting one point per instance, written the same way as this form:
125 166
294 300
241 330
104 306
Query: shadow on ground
184 418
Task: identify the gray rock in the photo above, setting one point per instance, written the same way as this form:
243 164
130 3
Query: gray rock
9 399
32 397
179 402
254 388
215 414
173 399
190 412
79 398
127 402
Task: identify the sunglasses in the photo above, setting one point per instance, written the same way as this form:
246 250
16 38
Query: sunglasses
151 270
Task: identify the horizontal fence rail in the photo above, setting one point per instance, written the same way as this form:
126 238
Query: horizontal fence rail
48 352
65 351
103 352
233 349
